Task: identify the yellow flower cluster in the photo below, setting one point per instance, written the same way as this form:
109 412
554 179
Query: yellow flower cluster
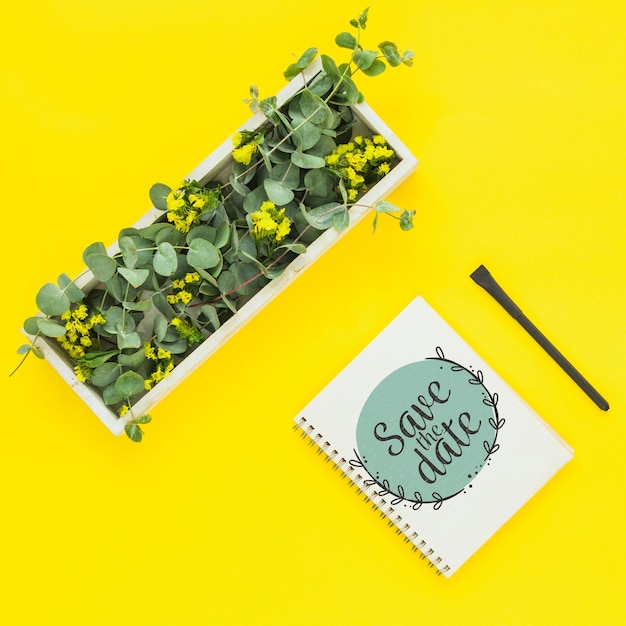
164 364
362 161
270 223
78 335
181 285
186 204
246 146
187 331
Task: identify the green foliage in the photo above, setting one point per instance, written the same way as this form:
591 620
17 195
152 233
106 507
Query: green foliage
215 245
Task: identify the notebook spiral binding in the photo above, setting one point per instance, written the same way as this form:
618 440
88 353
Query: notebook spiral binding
355 479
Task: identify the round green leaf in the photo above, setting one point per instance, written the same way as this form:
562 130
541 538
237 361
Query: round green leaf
160 327
129 251
406 220
202 231
165 260
341 219
129 384
104 375
323 147
133 360
307 161
364 58
319 182
202 254
390 50
98 247
128 340
287 174
135 277
315 109
133 432
297 248
291 72
330 67
170 235
237 185
226 281
346 40
118 321
254 199
74 293
322 217
96 359
376 68
222 236
50 328
383 206
306 58
277 192
102 265
210 312
158 194
51 300
111 396
141 305
306 134
31 325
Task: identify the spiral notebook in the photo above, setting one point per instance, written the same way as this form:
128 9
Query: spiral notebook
442 446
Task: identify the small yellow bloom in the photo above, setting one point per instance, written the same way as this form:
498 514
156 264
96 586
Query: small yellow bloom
196 201
379 139
164 354
357 161
237 139
382 153
123 410
244 154
178 284
175 200
81 312
185 297
76 352
284 228
82 373
192 277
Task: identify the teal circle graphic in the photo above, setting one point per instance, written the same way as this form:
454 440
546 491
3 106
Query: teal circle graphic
427 430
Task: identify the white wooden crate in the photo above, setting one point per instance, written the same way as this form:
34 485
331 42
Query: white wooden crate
215 167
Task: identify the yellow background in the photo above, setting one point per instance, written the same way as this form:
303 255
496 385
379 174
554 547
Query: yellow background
224 515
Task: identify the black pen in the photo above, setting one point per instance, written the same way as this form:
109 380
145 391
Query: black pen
482 277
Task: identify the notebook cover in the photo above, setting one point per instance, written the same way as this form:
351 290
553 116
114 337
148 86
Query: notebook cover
437 440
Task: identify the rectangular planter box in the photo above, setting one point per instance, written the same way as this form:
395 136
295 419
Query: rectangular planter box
217 167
